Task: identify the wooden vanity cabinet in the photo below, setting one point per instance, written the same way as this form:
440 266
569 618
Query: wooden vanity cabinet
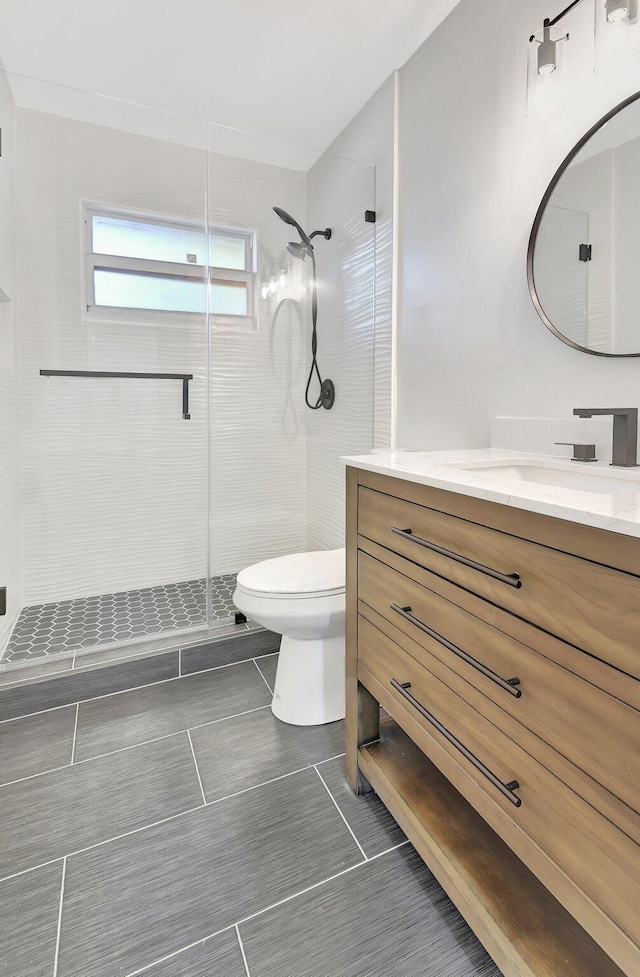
503 647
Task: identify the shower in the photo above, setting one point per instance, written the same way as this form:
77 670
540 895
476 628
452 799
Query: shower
301 249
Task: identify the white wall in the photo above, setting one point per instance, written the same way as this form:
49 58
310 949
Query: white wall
10 548
114 480
473 170
351 327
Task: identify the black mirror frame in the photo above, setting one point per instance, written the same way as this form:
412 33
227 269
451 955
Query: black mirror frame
538 218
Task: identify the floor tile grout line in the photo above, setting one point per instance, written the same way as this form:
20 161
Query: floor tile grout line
244 956
176 953
165 736
242 661
106 841
329 759
264 783
262 676
195 762
134 746
135 688
339 810
129 658
59 931
153 824
32 868
234 631
40 712
316 885
75 734
246 919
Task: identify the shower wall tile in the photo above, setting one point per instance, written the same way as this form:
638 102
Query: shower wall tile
113 478
114 481
354 340
257 440
10 543
379 111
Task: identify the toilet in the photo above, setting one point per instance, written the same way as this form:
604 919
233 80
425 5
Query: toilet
302 597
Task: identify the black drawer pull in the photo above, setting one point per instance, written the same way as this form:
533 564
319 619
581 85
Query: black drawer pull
508 684
507 790
513 579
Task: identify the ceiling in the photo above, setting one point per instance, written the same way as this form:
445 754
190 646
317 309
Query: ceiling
294 71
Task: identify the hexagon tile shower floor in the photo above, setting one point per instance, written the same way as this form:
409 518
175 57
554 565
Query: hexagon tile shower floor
52 629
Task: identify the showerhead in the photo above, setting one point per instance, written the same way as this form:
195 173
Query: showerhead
298 249
288 219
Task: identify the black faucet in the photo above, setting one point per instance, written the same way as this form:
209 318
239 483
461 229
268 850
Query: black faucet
625 432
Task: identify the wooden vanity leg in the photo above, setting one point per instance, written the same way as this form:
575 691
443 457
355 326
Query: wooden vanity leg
362 723
368 731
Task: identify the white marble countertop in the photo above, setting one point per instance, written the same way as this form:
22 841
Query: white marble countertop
599 498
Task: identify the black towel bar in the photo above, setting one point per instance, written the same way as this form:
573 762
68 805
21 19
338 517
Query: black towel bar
185 377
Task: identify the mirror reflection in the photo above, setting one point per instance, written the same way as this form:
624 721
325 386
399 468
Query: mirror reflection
583 257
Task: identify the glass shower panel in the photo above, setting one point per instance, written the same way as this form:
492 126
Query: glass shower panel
257 470
340 192
113 437
276 482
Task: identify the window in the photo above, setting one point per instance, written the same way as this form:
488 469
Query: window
136 262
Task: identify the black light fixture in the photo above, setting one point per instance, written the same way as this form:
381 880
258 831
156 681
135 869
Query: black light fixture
616 48
616 36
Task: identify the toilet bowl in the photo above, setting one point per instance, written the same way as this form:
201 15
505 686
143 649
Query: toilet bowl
301 597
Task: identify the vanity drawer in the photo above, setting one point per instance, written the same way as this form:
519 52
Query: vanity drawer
601 860
591 606
592 729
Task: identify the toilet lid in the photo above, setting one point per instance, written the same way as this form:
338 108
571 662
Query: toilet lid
299 575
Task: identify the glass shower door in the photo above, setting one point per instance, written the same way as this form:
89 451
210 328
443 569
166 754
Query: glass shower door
276 481
112 360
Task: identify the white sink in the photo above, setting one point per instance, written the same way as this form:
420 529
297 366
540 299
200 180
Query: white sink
579 477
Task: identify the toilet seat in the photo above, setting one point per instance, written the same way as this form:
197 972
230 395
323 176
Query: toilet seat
301 575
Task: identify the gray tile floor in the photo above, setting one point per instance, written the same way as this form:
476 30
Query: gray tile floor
43 630
182 831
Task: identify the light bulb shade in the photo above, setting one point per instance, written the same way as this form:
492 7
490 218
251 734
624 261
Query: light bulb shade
545 73
616 36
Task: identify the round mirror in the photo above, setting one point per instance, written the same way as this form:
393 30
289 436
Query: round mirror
582 265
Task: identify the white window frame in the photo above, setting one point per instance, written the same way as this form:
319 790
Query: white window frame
167 269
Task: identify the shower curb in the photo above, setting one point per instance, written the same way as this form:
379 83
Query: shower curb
22 698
